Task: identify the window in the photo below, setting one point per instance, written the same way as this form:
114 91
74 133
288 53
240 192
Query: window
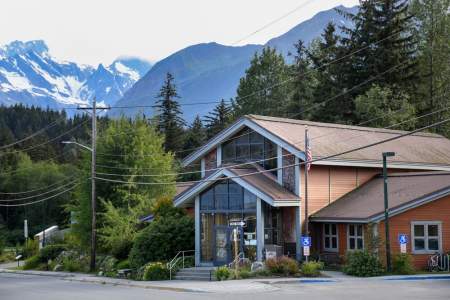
426 237
330 237
355 237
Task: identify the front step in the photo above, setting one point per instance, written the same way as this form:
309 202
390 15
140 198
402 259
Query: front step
199 274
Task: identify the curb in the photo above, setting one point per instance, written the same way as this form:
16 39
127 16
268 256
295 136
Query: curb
36 273
419 277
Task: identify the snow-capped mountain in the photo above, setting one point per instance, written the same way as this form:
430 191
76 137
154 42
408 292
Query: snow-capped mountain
31 76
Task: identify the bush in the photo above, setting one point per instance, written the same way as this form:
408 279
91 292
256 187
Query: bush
124 264
30 248
402 264
311 268
51 252
244 274
162 240
222 273
363 264
32 262
156 271
282 265
70 264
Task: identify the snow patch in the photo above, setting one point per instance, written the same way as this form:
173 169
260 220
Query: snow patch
17 81
124 69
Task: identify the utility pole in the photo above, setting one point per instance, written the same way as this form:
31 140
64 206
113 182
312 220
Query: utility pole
386 209
306 166
93 195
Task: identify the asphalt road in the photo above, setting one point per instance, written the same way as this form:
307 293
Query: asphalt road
14 286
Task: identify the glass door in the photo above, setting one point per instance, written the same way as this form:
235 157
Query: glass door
221 245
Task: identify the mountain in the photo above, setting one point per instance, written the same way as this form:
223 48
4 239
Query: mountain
209 72
31 76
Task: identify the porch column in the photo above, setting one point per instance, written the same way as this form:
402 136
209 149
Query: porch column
197 230
298 232
259 229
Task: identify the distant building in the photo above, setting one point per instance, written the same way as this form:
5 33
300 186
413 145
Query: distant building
345 192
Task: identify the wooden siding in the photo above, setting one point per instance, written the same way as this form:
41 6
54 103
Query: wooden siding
210 162
438 210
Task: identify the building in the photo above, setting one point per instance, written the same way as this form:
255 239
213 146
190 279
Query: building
252 172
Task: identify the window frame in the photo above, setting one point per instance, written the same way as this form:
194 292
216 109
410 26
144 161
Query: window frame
356 237
330 236
426 237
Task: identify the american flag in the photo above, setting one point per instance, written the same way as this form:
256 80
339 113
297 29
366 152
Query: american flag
308 153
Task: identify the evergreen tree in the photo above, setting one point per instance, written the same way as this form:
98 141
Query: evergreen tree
218 119
264 89
433 31
386 26
195 137
170 122
303 85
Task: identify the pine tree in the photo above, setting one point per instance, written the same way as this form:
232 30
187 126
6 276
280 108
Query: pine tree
170 122
382 45
433 30
218 119
264 89
196 136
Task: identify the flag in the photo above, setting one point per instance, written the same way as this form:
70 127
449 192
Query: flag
308 154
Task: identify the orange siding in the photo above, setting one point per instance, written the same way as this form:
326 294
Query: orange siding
438 210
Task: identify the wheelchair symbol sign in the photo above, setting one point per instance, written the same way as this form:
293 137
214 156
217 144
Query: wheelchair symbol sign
306 241
402 239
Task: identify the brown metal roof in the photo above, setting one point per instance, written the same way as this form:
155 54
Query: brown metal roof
367 201
265 182
328 139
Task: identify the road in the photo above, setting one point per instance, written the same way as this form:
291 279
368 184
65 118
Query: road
19 287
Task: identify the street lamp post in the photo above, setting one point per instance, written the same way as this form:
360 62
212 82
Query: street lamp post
386 209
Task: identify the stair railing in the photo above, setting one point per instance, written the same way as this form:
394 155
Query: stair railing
237 260
180 257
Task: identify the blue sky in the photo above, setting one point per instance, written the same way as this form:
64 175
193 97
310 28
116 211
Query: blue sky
98 31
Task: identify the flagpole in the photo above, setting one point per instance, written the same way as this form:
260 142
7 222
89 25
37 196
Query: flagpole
306 182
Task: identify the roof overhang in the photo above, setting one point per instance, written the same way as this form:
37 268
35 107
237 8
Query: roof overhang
195 190
392 212
235 128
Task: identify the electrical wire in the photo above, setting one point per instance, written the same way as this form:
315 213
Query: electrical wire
35 190
40 200
45 193
282 167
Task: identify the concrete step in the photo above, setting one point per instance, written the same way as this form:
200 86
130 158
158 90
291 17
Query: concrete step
206 274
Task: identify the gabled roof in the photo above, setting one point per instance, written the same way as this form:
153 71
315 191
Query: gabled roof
418 151
262 185
405 191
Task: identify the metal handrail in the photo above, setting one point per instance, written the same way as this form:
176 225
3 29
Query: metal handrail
240 257
181 255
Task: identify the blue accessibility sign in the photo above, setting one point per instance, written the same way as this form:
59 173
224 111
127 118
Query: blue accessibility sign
306 241
403 239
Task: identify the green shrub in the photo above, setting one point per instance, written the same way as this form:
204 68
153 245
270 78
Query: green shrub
311 268
7 256
222 273
244 274
262 273
362 264
30 248
282 265
70 264
162 240
402 264
156 271
124 264
32 262
51 252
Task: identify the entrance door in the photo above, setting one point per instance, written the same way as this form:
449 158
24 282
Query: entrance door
222 245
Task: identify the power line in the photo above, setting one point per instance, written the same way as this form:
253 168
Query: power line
283 167
32 135
266 159
45 193
35 190
41 200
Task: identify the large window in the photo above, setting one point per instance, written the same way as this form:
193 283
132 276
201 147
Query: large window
426 237
250 146
227 195
355 237
330 237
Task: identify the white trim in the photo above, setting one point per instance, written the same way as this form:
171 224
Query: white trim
238 125
219 155
426 237
379 164
331 220
279 164
356 236
202 167
330 236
